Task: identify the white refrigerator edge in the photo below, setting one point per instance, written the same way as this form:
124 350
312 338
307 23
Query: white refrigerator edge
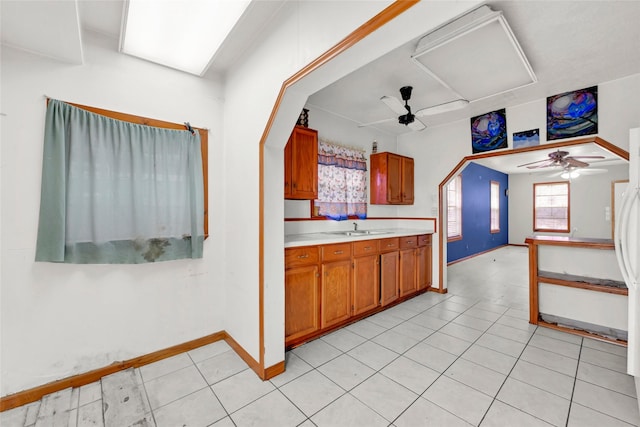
627 246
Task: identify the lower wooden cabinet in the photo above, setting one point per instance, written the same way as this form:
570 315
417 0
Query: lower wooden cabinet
389 269
408 282
366 284
330 285
423 266
336 293
301 301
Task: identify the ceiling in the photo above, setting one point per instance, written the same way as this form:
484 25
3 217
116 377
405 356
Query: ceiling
569 45
511 164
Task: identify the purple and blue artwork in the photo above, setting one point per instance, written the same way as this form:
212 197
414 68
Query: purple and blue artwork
572 114
489 131
527 138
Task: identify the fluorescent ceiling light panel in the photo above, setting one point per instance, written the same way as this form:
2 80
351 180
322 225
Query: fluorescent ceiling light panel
181 34
476 56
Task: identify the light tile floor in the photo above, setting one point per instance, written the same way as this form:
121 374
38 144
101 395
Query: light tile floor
468 357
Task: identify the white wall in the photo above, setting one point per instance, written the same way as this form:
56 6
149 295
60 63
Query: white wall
58 319
299 35
590 195
437 150
302 32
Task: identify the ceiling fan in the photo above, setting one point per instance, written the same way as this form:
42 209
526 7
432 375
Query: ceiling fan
569 164
561 158
407 117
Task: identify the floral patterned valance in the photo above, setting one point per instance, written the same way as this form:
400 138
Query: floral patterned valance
331 154
342 181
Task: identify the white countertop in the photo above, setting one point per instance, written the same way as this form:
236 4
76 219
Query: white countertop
323 238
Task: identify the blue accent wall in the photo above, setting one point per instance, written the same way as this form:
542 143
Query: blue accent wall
476 216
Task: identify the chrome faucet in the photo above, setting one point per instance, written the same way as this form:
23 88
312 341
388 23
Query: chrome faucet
355 226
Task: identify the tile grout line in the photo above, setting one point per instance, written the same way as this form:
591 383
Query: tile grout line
505 380
575 381
210 386
458 357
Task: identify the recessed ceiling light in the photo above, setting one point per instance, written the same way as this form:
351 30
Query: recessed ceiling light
181 34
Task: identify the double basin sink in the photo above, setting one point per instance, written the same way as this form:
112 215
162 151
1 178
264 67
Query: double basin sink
358 232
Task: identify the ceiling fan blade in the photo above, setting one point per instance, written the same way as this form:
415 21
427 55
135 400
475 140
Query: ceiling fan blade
546 164
416 125
549 161
394 104
442 108
377 122
587 157
575 163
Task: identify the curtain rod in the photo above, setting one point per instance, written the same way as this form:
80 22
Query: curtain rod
187 125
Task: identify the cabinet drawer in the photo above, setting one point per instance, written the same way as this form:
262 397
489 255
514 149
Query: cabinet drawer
336 252
365 247
301 256
424 240
408 242
388 245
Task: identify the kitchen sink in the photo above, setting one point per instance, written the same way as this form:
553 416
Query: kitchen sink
359 232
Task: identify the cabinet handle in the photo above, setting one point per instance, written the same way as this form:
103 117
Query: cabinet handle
303 256
368 248
338 252
389 245
409 241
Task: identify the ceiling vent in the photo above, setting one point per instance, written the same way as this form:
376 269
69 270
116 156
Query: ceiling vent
476 56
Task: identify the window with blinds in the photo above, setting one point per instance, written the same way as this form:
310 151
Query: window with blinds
454 209
551 207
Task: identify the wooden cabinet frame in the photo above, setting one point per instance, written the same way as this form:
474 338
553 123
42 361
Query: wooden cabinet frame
391 179
301 165
330 286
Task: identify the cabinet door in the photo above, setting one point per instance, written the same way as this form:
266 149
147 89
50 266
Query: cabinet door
407 272
365 284
423 273
336 292
407 180
424 262
394 179
388 277
301 301
304 164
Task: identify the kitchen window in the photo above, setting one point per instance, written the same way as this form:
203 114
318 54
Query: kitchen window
495 207
342 182
551 207
454 209
117 191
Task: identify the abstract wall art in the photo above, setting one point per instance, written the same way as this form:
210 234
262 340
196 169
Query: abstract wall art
489 131
527 138
572 114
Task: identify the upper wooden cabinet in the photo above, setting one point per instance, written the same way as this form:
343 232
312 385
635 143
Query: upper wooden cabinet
301 165
391 179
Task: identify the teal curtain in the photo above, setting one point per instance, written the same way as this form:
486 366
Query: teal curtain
115 192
